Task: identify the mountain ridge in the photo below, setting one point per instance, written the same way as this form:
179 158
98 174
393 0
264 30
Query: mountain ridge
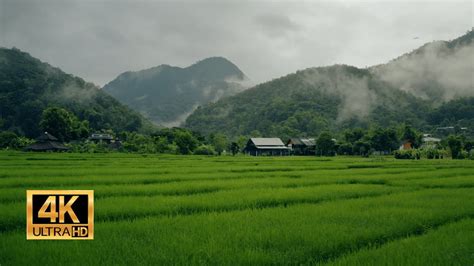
167 94
28 86
313 100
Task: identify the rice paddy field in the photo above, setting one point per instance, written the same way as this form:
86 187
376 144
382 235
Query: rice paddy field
163 209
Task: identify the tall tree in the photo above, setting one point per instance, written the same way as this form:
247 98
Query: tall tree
234 148
219 141
7 139
353 135
58 122
410 134
384 139
63 124
185 141
455 146
325 145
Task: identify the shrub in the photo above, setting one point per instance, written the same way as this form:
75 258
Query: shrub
345 148
204 150
325 145
407 154
7 139
88 147
455 146
432 153
21 142
463 155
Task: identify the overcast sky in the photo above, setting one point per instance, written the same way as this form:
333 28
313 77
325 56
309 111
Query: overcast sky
98 40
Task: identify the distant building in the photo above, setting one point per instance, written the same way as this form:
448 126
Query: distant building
429 141
302 146
101 137
406 145
46 142
266 146
444 131
430 138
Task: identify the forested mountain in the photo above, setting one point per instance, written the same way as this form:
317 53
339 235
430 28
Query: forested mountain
438 71
409 89
456 113
167 95
28 86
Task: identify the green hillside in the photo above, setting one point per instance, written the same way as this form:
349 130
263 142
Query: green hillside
167 95
28 86
409 89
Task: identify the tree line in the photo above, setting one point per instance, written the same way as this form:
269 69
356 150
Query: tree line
361 142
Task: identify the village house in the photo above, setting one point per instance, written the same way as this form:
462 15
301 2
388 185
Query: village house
302 146
46 142
406 145
266 146
101 137
429 141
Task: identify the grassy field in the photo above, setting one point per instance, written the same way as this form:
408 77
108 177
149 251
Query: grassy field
157 209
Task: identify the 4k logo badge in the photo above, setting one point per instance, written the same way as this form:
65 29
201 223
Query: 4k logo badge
59 214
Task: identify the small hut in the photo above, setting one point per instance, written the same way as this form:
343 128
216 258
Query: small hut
101 138
406 145
266 146
46 142
302 146
429 141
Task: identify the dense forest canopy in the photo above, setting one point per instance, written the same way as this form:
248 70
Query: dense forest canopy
427 88
306 103
28 86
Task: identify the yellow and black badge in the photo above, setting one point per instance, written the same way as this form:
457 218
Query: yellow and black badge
60 214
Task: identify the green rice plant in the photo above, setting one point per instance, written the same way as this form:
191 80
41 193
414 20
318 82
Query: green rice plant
296 234
165 209
438 182
132 207
451 244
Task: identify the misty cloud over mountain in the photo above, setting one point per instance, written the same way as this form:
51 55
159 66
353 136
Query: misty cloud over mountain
357 100
438 71
29 86
340 96
167 95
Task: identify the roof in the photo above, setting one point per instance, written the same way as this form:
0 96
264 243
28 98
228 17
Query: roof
47 145
101 136
294 141
301 141
46 136
309 142
431 139
267 142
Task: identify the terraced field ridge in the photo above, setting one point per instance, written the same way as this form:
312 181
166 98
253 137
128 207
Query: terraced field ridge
163 209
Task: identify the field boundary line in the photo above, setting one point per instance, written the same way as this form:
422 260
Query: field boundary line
11 228
211 190
380 242
177 180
